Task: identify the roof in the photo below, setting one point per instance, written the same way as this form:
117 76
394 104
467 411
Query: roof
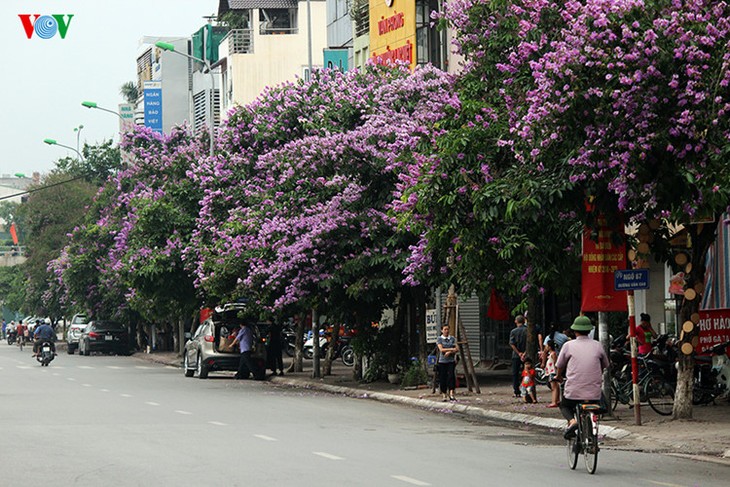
226 5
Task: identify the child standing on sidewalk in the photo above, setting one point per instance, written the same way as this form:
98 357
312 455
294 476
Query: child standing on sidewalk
527 386
550 371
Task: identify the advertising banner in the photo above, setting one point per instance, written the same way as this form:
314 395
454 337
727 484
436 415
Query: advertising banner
714 329
153 105
601 260
393 31
336 59
432 326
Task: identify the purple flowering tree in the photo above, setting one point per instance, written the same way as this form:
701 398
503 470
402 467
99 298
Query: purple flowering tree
620 102
296 207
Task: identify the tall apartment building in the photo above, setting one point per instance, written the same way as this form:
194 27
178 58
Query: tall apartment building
267 45
339 52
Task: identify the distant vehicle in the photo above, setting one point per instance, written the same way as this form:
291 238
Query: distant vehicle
79 322
105 336
208 351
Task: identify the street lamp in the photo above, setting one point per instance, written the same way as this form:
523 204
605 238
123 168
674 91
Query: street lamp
78 135
53 142
166 46
91 104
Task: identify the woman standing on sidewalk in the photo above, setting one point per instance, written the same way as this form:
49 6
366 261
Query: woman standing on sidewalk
447 363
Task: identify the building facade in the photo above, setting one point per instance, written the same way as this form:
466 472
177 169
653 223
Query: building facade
269 46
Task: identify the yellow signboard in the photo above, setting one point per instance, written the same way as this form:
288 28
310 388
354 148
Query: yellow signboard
393 31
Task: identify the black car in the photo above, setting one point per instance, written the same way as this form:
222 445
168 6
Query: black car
105 336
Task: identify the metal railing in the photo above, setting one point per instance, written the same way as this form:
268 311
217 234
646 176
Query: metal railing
266 30
12 250
240 41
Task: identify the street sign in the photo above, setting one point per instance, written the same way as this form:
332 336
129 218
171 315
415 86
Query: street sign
432 327
631 280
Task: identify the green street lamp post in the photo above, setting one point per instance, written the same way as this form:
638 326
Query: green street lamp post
53 142
91 104
78 136
166 46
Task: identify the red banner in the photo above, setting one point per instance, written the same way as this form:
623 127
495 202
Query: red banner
14 233
600 260
714 328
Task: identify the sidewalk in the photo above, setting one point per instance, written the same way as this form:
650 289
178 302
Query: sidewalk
705 437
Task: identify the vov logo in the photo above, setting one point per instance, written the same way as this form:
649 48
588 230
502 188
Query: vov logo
46 26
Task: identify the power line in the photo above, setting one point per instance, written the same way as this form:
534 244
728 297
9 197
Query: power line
41 188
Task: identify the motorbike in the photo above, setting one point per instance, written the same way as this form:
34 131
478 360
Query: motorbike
712 375
45 354
290 340
11 337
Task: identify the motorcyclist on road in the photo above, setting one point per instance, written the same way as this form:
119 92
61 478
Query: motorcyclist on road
43 333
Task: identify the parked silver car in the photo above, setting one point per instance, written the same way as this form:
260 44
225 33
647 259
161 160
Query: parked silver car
79 322
209 350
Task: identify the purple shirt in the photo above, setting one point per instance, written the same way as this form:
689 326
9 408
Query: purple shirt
585 360
245 339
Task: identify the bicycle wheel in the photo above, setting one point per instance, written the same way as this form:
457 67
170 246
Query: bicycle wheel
614 395
660 395
590 441
572 449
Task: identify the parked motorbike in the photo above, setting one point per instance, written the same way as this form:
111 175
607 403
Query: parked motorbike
290 340
712 374
45 354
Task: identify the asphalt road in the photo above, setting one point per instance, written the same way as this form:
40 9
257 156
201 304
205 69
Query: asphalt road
119 421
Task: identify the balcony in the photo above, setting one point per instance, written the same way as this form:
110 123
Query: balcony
240 41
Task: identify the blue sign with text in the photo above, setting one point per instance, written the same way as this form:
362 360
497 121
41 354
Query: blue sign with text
153 105
631 280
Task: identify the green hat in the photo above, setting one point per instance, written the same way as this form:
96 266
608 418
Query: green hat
582 323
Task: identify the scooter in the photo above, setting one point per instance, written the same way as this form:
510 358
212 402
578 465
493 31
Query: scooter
45 354
308 349
11 337
712 375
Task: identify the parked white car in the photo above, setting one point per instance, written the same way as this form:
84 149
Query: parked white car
79 322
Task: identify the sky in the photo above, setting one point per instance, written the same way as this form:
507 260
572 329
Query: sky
44 81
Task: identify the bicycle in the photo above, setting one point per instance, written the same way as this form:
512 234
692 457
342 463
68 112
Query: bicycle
653 388
585 441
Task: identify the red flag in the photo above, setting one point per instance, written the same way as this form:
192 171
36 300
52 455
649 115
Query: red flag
14 233
497 308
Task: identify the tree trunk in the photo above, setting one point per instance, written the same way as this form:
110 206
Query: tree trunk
298 360
532 314
700 239
331 350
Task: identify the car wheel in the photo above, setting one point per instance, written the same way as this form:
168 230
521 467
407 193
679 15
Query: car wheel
186 367
201 369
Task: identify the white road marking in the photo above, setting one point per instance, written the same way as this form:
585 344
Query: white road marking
86 385
217 423
150 403
104 390
409 480
267 438
664 484
23 366
327 455
115 367
183 412
87 367
56 374
70 378
141 367
125 395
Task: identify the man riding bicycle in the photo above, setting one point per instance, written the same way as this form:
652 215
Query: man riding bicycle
581 362
43 333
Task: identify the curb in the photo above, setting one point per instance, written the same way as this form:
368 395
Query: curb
472 411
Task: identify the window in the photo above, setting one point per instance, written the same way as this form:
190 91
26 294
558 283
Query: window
429 41
277 21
